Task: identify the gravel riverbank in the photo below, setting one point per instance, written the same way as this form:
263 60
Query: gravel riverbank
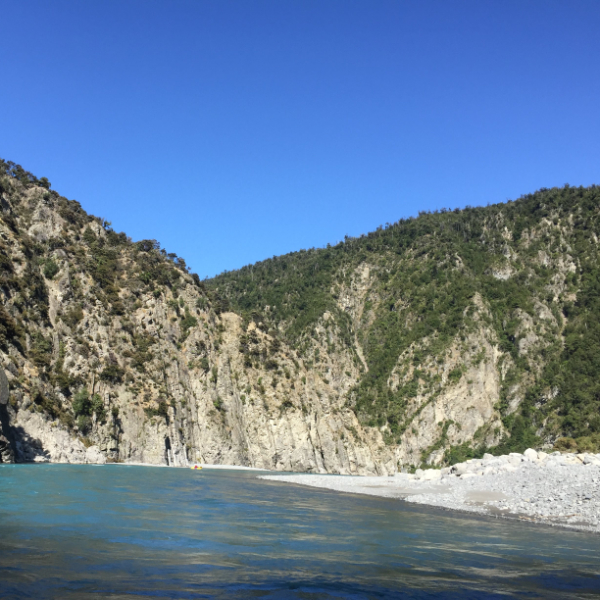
555 489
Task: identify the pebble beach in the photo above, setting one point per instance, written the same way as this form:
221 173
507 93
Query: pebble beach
555 489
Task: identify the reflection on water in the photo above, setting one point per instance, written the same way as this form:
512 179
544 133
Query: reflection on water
120 532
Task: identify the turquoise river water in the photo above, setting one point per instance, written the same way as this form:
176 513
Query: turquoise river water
118 532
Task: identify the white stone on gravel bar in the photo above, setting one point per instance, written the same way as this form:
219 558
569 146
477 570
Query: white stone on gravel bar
530 454
556 489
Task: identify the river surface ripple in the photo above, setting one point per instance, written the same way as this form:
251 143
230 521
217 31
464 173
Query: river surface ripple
69 531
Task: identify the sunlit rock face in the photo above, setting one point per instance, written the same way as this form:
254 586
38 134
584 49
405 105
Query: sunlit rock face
411 346
114 352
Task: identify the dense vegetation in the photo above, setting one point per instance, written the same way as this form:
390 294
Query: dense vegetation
539 252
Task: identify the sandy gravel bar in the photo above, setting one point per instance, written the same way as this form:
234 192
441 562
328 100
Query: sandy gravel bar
555 489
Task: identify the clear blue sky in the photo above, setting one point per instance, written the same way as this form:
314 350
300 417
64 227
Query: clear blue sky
235 131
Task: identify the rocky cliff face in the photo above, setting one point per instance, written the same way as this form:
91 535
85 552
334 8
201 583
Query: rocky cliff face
114 352
419 344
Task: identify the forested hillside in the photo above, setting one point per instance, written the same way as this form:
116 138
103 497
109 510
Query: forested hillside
523 275
428 341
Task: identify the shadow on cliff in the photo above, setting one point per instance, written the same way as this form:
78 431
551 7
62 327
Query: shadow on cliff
7 444
25 448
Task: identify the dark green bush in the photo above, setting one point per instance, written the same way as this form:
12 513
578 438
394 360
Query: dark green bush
50 269
82 404
112 373
73 316
41 350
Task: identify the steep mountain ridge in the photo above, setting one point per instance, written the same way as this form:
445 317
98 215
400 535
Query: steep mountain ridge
115 352
471 330
429 341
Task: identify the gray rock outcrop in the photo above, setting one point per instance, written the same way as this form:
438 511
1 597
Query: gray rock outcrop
7 454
